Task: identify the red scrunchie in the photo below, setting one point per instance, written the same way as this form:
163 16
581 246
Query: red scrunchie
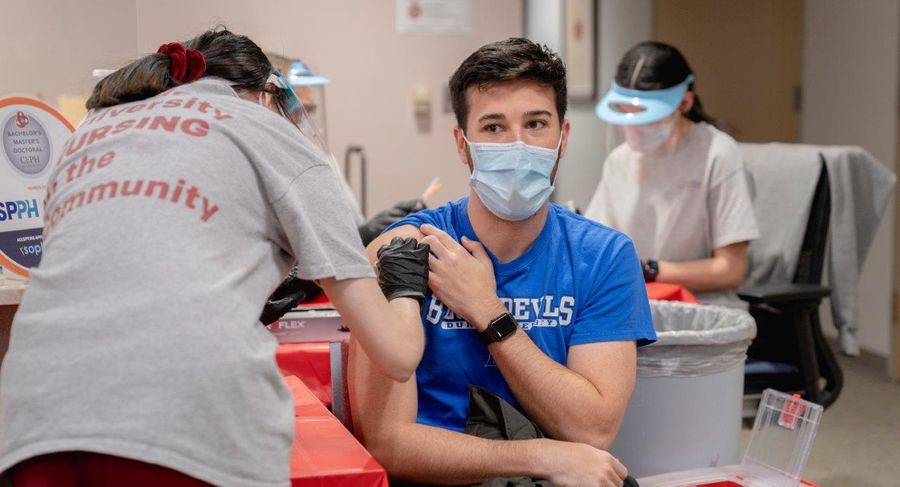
185 65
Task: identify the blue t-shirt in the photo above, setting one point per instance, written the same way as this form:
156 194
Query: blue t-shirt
580 282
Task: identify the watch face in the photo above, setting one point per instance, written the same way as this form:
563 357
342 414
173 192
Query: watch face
499 329
505 325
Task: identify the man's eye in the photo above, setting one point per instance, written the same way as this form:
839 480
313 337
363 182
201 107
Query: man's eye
492 128
537 124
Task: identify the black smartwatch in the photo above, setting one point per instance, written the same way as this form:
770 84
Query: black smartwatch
499 329
651 270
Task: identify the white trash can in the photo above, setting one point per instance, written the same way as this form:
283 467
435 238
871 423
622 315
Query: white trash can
686 408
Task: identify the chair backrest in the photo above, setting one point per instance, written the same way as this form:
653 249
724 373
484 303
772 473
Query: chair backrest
784 179
811 261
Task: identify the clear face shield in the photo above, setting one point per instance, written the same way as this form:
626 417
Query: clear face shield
296 111
310 88
312 98
305 108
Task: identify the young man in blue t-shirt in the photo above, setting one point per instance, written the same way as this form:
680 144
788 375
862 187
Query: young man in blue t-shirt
527 300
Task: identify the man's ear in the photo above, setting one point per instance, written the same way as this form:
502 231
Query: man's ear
462 148
687 102
563 146
564 141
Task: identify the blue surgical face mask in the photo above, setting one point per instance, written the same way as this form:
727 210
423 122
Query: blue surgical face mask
512 179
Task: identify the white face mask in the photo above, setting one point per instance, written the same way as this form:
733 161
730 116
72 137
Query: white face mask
648 138
512 179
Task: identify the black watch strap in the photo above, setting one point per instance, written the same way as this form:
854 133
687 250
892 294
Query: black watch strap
651 270
499 329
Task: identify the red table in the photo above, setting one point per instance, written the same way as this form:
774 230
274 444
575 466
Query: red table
311 363
324 453
670 292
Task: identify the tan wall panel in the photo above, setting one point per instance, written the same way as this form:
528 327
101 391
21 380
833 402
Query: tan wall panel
747 60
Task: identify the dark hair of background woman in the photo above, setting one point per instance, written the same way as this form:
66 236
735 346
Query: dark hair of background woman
655 65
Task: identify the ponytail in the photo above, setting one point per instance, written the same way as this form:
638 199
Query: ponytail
697 113
234 58
144 78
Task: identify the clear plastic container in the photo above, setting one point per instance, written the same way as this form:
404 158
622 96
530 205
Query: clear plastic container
782 438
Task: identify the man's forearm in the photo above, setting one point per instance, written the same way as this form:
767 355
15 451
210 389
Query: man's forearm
563 403
420 453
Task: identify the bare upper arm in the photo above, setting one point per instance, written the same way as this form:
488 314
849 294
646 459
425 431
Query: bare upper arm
377 402
404 231
611 368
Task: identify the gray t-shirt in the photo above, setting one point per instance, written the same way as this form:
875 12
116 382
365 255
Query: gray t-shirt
681 205
168 223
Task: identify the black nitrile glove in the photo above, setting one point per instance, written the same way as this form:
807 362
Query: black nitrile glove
371 229
288 295
294 290
403 269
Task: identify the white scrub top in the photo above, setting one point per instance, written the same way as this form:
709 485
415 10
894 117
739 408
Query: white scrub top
681 205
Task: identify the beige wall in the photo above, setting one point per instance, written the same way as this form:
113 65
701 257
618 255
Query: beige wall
51 46
56 44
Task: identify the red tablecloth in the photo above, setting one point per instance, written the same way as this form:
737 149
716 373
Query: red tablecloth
311 363
324 453
670 292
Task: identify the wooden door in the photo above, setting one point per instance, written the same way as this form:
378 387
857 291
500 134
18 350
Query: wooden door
747 59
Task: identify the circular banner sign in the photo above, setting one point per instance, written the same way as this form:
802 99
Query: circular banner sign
33 134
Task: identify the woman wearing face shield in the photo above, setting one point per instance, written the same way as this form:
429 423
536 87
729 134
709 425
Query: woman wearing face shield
137 357
309 89
677 184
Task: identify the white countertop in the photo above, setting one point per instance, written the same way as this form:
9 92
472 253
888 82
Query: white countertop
11 291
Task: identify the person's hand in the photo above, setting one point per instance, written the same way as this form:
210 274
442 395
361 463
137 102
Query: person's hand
403 269
579 464
371 229
462 277
287 295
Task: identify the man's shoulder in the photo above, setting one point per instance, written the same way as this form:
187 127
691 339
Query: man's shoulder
442 217
446 212
586 235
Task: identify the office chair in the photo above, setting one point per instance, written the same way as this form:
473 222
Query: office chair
790 352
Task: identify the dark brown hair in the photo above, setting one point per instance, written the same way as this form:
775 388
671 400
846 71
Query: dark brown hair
232 57
513 59
659 66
